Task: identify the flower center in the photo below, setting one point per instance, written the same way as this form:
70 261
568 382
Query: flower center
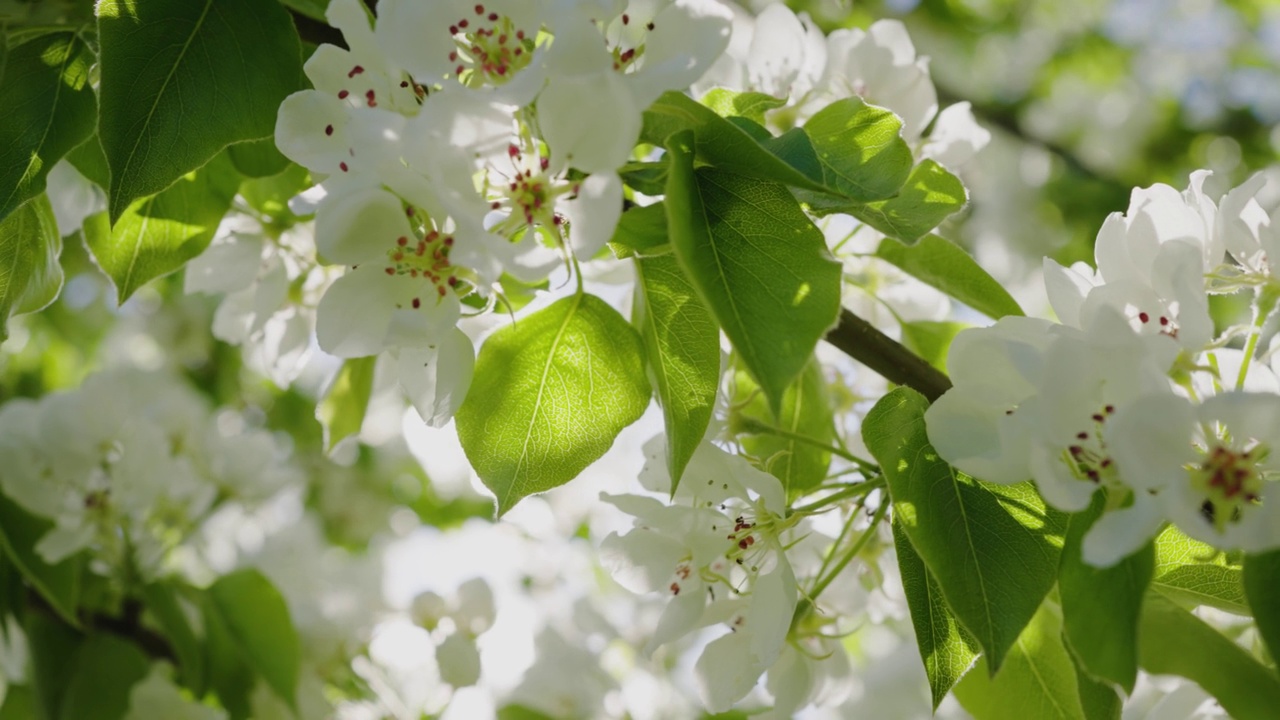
488 48
1087 455
528 193
426 258
1230 481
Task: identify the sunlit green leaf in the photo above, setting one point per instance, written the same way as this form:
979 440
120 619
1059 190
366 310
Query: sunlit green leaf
1262 588
550 393
994 549
751 105
942 264
806 411
641 231
341 411
30 246
1196 573
257 619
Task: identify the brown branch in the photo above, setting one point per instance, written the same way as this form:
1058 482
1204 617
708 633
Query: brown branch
128 626
861 341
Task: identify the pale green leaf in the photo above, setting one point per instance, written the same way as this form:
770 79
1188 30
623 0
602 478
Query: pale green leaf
341 411
1101 606
942 264
551 392
257 619
1037 679
641 232
30 246
1196 573
930 195
751 105
757 261
806 411
931 339
1262 588
947 649
682 347
861 150
48 109
181 80
1172 641
159 234
993 549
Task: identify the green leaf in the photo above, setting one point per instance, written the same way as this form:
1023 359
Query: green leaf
1037 679
860 149
164 604
257 158
53 646
181 80
757 261
682 349
551 392
993 549
947 649
270 195
750 105
30 275
928 197
1262 587
1175 642
1100 700
48 109
1101 606
106 669
931 339
942 264
19 703
257 619
649 178
806 411
1196 573
159 234
721 143
313 9
59 584
641 232
91 162
341 412
230 675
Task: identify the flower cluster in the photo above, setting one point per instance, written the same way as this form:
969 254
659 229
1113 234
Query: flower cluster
454 148
1132 392
128 466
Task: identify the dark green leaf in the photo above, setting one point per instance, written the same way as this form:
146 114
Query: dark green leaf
30 275
641 231
1101 606
750 105
550 393
1037 679
159 234
1262 587
1100 700
19 704
59 584
757 262
947 649
861 150
231 676
806 411
313 9
53 646
181 80
682 346
48 109
1196 573
89 159
649 178
993 549
257 619
164 604
944 265
341 411
257 158
1172 641
106 669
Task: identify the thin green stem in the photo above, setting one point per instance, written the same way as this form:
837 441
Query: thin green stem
857 547
1263 306
852 491
753 426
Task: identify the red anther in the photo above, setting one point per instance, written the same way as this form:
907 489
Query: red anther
328 129
544 163
649 27
398 256
1097 417
355 71
751 540
1092 474
442 291
479 9
1075 449
519 52
453 281
493 17
463 23
402 241
742 544
1082 435
675 589
453 29
1109 409
404 83
342 94
453 56
1144 317
448 241
369 97
495 205
626 56
1164 320
458 70
502 69
408 211
1106 463
343 166
520 34
625 19
391 271
417 303
513 151
502 39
